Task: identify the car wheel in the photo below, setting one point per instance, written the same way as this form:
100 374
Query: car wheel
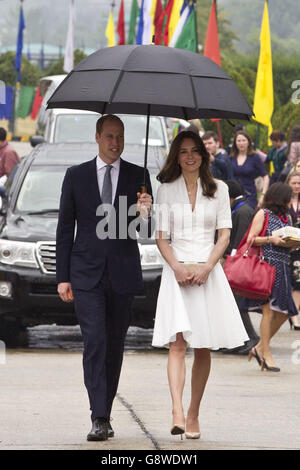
12 333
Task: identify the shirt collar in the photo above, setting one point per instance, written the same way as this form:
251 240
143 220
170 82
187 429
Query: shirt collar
5 143
102 164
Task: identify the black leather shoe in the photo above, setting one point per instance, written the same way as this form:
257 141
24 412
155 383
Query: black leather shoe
111 432
99 431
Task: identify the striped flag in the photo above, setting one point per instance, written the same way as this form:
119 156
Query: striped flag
180 25
174 18
144 35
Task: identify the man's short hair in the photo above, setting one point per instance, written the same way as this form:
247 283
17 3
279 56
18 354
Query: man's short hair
107 117
235 188
277 136
3 134
210 134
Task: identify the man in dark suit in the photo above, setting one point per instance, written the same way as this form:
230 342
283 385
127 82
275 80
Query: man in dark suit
241 215
101 269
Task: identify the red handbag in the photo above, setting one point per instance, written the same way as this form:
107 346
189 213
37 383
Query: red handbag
247 272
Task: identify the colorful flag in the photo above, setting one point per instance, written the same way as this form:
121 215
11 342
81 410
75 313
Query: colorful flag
121 25
174 18
180 25
212 47
69 50
264 95
18 58
145 23
134 13
168 13
188 37
110 31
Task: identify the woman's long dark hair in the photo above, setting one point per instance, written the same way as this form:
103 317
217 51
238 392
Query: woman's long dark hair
277 198
172 170
235 151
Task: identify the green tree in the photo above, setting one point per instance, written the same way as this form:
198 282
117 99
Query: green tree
57 68
30 73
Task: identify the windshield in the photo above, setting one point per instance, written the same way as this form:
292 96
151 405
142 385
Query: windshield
81 128
41 189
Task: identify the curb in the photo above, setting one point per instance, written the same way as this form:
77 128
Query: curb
18 138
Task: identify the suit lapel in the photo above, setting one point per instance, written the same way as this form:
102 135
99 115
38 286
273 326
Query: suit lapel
122 186
93 182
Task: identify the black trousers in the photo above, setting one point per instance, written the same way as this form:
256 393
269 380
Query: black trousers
104 318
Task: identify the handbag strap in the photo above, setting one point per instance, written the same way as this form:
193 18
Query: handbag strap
262 233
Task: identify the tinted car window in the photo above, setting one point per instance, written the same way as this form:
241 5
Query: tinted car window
41 189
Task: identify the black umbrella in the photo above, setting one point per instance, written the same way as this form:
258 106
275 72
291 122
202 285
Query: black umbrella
151 80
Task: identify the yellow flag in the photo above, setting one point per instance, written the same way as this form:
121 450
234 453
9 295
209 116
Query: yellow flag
175 16
110 31
264 97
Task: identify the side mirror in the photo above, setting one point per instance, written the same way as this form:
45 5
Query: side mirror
36 140
2 206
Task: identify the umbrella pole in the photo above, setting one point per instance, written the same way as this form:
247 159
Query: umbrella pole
144 187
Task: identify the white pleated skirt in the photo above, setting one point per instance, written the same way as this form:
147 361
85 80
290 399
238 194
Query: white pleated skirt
207 315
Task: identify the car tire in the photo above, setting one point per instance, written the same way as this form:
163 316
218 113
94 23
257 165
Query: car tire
12 333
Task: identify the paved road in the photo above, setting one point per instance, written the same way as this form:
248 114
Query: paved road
43 402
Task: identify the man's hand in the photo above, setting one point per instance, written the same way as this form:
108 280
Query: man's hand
65 291
144 202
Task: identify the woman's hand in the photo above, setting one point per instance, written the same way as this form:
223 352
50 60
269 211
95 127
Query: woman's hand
182 275
277 240
201 274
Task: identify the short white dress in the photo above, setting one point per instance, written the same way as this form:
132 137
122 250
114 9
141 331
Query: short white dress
207 315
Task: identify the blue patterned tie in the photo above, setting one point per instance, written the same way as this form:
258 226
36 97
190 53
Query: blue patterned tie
106 195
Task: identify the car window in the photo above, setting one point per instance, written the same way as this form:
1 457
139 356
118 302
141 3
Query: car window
135 130
81 128
41 189
75 128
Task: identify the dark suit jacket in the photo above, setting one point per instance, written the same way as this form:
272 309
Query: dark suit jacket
82 262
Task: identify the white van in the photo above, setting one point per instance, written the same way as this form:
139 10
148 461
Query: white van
72 125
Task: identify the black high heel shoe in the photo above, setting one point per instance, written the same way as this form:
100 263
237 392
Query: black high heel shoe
254 353
292 326
264 365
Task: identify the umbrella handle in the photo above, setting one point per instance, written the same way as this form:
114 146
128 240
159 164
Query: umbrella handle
138 207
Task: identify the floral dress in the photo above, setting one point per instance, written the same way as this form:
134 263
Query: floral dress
281 297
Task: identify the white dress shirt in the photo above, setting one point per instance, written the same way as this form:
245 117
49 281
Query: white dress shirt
101 169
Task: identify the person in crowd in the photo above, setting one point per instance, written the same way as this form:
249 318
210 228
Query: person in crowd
293 181
100 270
242 215
292 154
277 154
221 166
247 166
8 159
280 305
195 306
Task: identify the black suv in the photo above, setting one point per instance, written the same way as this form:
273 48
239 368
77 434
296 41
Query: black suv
28 219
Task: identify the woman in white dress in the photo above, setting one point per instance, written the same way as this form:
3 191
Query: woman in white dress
195 306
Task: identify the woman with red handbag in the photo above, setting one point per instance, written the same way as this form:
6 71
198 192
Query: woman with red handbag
280 306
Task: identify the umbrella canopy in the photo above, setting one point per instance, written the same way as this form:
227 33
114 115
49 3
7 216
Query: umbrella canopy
148 79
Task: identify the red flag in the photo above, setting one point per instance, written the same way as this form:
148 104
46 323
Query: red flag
121 25
212 48
159 22
36 104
